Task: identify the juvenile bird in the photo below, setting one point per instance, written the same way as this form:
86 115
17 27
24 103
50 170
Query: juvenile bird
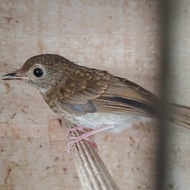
91 98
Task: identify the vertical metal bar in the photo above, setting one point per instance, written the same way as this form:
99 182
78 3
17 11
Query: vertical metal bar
164 114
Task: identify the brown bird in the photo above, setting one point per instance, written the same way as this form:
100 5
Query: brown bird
92 98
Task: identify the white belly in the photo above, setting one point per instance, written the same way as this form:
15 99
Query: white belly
96 120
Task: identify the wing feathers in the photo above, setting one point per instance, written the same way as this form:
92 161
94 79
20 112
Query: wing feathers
108 93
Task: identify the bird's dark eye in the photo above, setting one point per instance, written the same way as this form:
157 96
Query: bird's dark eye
38 72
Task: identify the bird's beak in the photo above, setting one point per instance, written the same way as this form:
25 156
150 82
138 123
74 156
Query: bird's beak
14 76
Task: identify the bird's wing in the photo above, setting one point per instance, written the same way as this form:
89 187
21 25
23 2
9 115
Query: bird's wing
106 93
123 96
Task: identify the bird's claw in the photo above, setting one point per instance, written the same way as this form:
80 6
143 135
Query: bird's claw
84 136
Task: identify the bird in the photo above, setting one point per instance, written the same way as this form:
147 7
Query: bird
91 98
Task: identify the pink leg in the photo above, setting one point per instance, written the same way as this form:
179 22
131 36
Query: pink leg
82 129
86 135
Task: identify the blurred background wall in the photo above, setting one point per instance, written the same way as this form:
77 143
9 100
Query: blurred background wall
122 37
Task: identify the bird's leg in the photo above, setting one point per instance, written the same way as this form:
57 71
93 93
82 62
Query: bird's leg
82 129
86 135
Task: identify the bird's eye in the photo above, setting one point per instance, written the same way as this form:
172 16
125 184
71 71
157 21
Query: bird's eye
38 72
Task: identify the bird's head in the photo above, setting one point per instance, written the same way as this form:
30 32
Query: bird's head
42 71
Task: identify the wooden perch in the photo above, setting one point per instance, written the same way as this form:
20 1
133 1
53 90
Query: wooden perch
92 172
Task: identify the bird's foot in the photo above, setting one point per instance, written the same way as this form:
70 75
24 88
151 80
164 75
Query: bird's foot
86 135
79 138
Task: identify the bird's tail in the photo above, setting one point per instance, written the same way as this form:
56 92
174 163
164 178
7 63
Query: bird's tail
180 115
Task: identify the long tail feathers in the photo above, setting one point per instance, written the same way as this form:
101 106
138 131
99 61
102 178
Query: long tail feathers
180 115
